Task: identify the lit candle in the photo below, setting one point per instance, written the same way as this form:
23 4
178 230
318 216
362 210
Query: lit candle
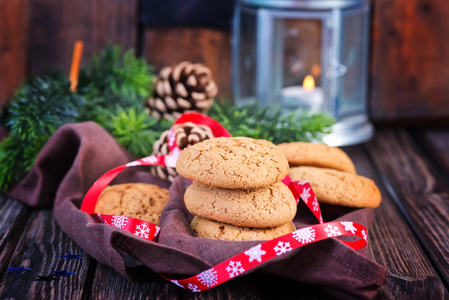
306 96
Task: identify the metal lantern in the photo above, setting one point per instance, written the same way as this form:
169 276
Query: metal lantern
309 54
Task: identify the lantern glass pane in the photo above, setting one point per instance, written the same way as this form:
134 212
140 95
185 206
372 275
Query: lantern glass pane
353 91
247 56
300 58
302 50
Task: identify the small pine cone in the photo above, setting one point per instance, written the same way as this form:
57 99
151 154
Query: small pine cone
181 88
186 134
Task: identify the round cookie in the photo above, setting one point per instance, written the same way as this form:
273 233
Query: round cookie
137 200
317 155
339 188
221 231
233 163
263 207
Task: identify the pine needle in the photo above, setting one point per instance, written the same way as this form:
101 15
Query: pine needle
41 106
136 130
270 123
120 77
12 163
38 109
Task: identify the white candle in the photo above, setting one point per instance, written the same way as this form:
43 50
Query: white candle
307 96
294 97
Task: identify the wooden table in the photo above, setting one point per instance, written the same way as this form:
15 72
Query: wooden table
410 236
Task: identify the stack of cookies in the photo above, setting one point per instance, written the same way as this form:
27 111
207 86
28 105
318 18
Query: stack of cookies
331 174
237 192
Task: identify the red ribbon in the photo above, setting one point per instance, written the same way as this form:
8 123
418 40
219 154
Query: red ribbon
246 260
265 251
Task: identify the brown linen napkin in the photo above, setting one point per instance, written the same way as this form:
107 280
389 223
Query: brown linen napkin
77 154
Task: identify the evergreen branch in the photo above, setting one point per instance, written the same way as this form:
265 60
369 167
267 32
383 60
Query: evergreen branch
270 123
121 78
41 106
38 109
135 130
12 162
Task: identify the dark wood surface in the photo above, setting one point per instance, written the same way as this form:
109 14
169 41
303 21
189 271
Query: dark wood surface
410 236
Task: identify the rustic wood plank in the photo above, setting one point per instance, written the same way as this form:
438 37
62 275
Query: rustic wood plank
167 46
409 55
393 245
13 41
109 284
39 249
419 189
12 214
56 25
436 142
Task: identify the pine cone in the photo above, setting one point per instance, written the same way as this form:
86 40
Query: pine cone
186 134
184 87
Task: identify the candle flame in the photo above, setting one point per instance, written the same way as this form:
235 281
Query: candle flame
309 83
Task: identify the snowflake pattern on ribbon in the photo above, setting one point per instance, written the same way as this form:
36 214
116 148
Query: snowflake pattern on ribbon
234 268
119 221
332 231
255 253
282 247
305 195
171 138
304 235
349 226
170 160
315 204
365 235
142 230
133 163
150 159
194 288
208 277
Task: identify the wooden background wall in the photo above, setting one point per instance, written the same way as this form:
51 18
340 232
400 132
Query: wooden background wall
13 44
409 77
409 59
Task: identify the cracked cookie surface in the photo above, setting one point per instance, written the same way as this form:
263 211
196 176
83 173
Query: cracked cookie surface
221 231
339 188
137 200
233 163
317 155
263 207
